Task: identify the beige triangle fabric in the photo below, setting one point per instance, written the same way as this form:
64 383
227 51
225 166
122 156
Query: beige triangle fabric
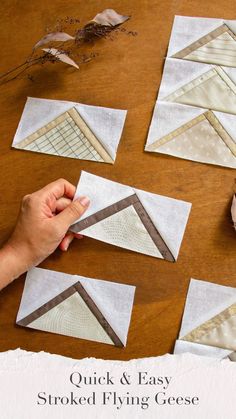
220 331
72 317
199 140
137 209
217 47
212 90
221 51
124 229
66 136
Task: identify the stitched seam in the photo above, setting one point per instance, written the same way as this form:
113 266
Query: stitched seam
204 40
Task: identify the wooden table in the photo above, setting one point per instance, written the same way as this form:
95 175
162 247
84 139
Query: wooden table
126 74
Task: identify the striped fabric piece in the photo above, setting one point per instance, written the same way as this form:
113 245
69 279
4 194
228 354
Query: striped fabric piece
221 50
217 47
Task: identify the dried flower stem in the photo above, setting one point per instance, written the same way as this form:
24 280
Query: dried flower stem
103 25
27 64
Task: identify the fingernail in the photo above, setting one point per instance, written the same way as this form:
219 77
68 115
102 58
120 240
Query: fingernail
85 201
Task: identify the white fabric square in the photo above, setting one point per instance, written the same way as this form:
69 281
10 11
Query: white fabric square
106 124
204 301
168 216
71 316
202 145
187 30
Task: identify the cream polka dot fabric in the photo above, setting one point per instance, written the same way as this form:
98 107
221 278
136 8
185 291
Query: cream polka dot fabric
72 317
200 143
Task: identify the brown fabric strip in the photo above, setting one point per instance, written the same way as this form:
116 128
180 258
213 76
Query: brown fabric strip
104 213
98 314
47 306
203 41
155 235
88 301
142 213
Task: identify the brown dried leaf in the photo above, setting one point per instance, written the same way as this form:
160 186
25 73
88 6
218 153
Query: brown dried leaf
61 56
54 36
233 211
109 17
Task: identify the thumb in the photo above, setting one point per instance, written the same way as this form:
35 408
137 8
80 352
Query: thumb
73 211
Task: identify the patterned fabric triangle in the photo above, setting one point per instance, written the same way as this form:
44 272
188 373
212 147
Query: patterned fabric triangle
124 229
72 317
220 331
212 90
67 136
217 47
126 224
202 139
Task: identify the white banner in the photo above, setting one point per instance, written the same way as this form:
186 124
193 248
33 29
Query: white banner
40 385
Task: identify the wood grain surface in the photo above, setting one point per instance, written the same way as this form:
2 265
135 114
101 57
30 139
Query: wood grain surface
126 74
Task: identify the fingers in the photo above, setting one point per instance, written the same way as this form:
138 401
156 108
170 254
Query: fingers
61 204
59 188
65 243
73 212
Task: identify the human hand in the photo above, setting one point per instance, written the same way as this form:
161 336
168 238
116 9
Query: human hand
43 222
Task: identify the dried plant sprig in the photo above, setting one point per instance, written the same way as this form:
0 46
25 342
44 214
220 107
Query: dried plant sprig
91 32
233 211
100 26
